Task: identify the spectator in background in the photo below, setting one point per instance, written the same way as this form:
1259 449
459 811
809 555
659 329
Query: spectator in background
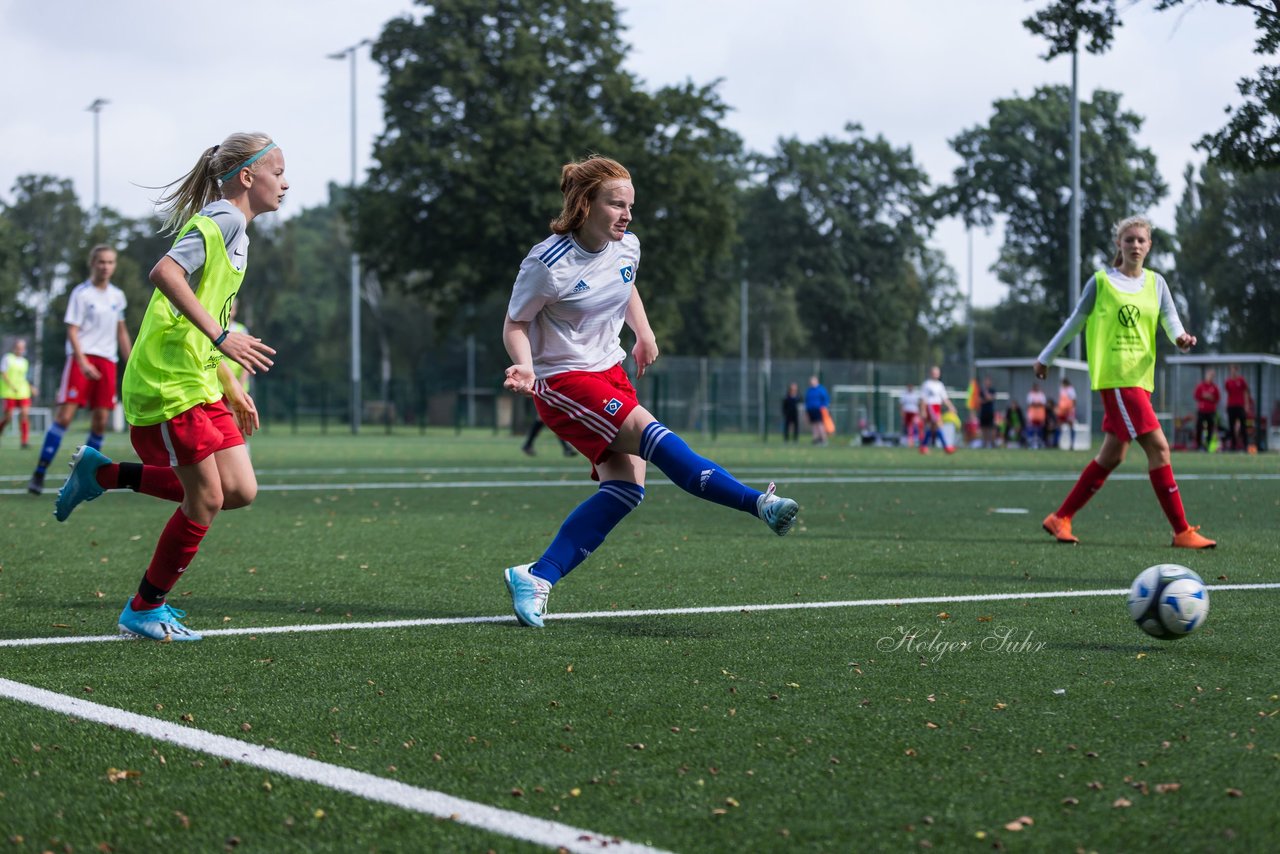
1015 424
1207 396
1066 412
1239 408
532 436
15 390
791 413
910 416
816 400
987 412
1037 408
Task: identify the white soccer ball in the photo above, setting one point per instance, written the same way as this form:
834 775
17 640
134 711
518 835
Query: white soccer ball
1168 601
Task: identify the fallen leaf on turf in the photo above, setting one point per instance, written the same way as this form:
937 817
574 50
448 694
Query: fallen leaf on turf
1000 707
719 811
115 775
944 616
1235 793
1094 784
1070 802
1013 826
1121 803
1165 788
182 820
930 725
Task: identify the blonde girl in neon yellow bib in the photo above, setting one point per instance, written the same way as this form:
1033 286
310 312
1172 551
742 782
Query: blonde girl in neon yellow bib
1120 310
187 413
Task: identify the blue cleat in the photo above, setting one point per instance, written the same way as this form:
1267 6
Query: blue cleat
158 624
777 512
528 594
82 484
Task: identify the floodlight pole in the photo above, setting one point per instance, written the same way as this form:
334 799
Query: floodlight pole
96 108
356 404
968 230
1074 243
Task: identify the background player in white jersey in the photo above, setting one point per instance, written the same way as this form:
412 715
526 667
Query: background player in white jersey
96 339
935 397
911 415
573 293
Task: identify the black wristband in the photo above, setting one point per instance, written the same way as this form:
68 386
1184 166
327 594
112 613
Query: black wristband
217 342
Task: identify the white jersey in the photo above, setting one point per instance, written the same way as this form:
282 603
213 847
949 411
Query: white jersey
97 312
933 392
575 302
911 402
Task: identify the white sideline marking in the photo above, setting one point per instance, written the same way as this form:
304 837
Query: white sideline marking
644 612
506 823
780 476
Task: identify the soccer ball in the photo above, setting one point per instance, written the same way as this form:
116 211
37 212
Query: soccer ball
1168 601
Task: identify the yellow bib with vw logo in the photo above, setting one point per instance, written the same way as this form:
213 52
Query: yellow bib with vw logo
1121 335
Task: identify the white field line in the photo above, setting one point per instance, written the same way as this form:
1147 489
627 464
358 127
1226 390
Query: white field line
506 823
781 476
645 612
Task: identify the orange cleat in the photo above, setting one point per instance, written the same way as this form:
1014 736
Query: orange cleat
1191 539
1060 527
924 449
951 449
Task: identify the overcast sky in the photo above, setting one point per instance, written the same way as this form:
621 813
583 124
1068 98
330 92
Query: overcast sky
180 76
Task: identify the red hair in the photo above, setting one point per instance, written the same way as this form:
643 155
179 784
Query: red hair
580 181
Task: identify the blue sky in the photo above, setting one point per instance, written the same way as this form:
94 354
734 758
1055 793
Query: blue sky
915 71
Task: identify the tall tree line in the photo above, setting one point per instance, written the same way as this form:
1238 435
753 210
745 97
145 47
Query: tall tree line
484 102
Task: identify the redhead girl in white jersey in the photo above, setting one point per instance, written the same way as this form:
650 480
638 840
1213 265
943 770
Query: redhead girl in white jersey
574 291
1122 308
187 413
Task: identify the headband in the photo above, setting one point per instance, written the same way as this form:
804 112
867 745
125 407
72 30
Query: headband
247 163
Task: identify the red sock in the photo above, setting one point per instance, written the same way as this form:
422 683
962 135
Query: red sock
25 426
1170 498
1091 480
156 481
177 547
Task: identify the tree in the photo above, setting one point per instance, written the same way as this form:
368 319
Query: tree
1018 166
483 104
1229 233
1251 137
838 226
49 226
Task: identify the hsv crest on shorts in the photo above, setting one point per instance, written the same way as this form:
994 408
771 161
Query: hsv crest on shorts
613 405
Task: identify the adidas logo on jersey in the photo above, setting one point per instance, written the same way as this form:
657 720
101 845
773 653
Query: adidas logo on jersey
580 287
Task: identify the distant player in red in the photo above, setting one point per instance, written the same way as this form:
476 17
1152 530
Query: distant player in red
1207 396
15 390
1239 404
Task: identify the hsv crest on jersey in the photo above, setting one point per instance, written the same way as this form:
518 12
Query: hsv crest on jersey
613 405
628 273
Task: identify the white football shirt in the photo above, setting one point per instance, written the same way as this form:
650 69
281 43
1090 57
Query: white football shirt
575 302
911 401
933 392
97 311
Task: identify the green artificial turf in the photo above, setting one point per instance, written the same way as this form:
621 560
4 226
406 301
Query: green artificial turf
893 727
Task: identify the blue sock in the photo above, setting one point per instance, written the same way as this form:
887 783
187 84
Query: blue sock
694 474
586 527
95 441
52 440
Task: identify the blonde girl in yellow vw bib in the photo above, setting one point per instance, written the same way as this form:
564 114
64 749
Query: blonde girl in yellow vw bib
187 413
1120 310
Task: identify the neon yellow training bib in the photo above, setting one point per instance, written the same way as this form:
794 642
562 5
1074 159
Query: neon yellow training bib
1121 335
13 382
174 366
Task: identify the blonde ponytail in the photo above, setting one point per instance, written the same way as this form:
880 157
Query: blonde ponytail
203 184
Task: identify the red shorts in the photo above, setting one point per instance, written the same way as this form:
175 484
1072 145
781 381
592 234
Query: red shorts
1127 412
187 438
586 408
12 403
79 389
909 420
935 412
